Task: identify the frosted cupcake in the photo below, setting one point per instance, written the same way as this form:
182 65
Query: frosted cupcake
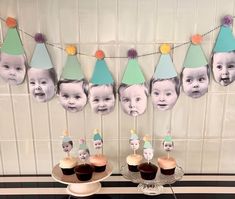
133 160
98 160
68 163
167 164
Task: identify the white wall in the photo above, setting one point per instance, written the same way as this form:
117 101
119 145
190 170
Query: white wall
203 129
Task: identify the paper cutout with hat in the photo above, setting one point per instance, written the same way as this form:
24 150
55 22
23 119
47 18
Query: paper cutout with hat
12 56
83 151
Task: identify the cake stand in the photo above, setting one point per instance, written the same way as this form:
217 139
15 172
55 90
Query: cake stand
155 186
81 188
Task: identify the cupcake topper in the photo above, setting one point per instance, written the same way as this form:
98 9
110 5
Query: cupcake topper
83 151
168 144
148 149
134 141
67 143
97 140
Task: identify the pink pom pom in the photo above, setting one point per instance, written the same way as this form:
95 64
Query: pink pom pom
39 38
132 53
227 20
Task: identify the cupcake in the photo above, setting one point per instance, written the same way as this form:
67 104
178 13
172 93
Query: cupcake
167 165
133 160
84 171
148 170
67 165
99 161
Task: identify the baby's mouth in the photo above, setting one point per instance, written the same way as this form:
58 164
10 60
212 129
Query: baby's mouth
225 79
134 113
102 109
39 94
162 105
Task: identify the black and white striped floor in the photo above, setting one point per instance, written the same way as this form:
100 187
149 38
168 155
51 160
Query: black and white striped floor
116 187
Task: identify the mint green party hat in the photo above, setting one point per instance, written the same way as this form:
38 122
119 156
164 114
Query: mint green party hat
225 41
40 58
165 68
195 56
72 68
133 74
97 135
12 43
101 74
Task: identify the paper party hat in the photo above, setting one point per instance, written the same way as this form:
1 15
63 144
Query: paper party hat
12 44
40 58
225 41
133 74
72 68
165 68
195 56
101 74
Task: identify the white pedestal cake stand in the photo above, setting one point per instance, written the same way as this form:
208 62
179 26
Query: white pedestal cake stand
155 186
81 188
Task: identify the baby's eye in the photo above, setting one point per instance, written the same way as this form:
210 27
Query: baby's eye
66 96
188 80
43 82
156 93
137 99
77 97
6 66
168 93
19 68
96 100
107 99
219 67
32 83
231 66
201 79
125 100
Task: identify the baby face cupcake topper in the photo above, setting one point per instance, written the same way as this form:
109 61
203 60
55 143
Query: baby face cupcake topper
97 140
168 143
134 140
83 152
148 149
67 143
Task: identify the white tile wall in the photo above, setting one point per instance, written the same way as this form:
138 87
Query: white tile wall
203 129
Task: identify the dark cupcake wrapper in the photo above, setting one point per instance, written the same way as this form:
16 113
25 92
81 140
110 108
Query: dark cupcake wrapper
100 168
68 171
133 168
167 171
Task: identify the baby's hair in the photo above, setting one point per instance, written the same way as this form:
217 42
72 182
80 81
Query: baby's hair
87 150
25 60
212 57
208 72
64 81
123 86
175 80
70 142
96 85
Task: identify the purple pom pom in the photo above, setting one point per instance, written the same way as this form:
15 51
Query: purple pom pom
39 38
132 53
227 20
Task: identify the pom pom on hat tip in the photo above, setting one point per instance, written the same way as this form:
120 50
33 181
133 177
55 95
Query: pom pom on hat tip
99 54
165 48
132 53
71 50
197 39
227 20
11 22
39 38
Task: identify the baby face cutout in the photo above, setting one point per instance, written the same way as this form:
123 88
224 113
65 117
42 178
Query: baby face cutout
133 99
83 154
72 96
195 81
168 146
164 95
223 67
41 84
135 144
12 68
148 154
98 144
102 99
67 146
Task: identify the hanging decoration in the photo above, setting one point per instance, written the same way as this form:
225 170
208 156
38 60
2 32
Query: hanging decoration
165 84
102 88
41 74
12 56
195 73
133 90
223 58
72 86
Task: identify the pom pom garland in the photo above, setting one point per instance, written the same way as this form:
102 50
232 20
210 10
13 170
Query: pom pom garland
39 38
71 50
99 54
11 22
227 20
196 39
165 48
132 54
